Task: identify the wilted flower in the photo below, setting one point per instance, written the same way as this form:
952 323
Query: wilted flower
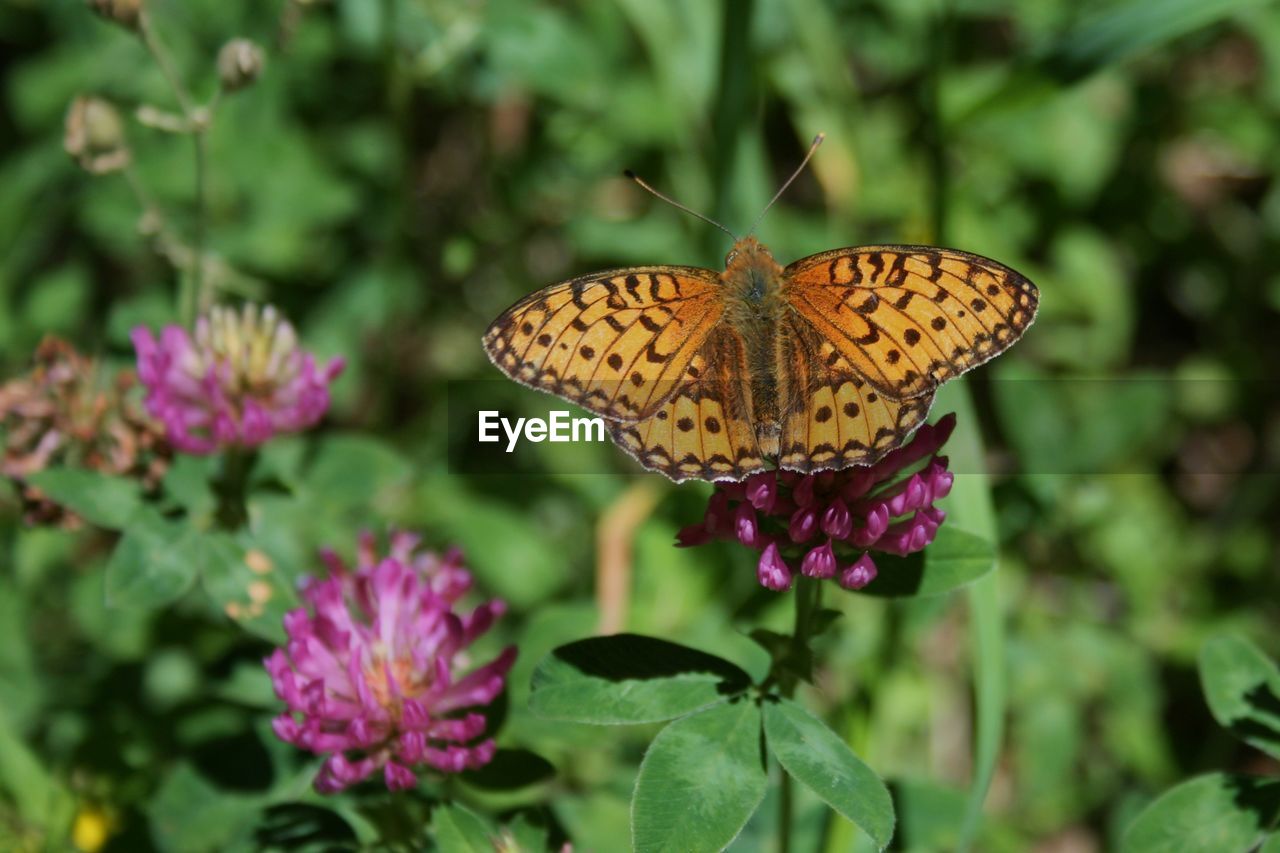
126 13
372 672
826 525
66 412
239 64
94 135
237 382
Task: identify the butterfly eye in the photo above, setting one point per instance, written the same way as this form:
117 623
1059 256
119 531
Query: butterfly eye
728 259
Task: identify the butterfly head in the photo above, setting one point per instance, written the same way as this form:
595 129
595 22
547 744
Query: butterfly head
751 273
747 252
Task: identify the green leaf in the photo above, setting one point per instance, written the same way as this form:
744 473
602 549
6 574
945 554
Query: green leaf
190 814
1271 845
1242 687
351 470
955 558
700 781
1120 31
247 583
526 836
154 563
187 482
1214 814
98 498
969 506
628 678
1125 29
817 757
32 790
511 769
457 830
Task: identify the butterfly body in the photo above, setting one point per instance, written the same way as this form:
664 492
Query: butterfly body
754 302
826 363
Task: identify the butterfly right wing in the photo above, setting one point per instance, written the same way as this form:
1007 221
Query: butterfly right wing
909 318
834 417
704 430
617 343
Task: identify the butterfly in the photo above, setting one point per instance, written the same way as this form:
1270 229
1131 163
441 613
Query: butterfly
829 362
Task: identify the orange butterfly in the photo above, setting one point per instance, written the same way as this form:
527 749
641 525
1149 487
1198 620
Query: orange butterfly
828 362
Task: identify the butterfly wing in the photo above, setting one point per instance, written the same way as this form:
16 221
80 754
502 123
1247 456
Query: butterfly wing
908 318
704 430
834 417
616 343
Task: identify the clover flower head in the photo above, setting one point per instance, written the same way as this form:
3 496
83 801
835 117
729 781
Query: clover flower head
826 525
237 381
374 673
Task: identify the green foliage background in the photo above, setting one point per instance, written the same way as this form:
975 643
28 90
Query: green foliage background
405 169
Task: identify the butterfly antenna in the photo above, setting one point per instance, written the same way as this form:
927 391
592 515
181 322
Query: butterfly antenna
639 180
817 140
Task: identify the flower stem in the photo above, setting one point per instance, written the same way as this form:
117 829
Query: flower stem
192 295
231 485
808 595
198 286
157 50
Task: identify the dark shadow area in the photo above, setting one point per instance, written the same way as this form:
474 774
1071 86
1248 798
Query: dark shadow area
237 762
624 657
1263 702
897 576
1259 795
298 827
495 713
511 769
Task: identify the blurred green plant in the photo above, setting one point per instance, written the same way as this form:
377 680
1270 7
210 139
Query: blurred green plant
402 170
1224 811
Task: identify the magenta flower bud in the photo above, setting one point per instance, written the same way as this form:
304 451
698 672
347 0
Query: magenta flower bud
909 498
772 571
374 673
837 521
745 525
940 479
819 562
859 574
398 777
803 524
875 523
762 490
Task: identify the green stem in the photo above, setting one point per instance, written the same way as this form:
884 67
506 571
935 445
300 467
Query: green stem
733 102
157 50
808 595
231 485
935 136
192 296
986 614
785 806
198 285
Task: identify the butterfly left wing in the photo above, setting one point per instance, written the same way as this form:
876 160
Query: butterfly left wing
616 343
703 431
833 417
908 318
